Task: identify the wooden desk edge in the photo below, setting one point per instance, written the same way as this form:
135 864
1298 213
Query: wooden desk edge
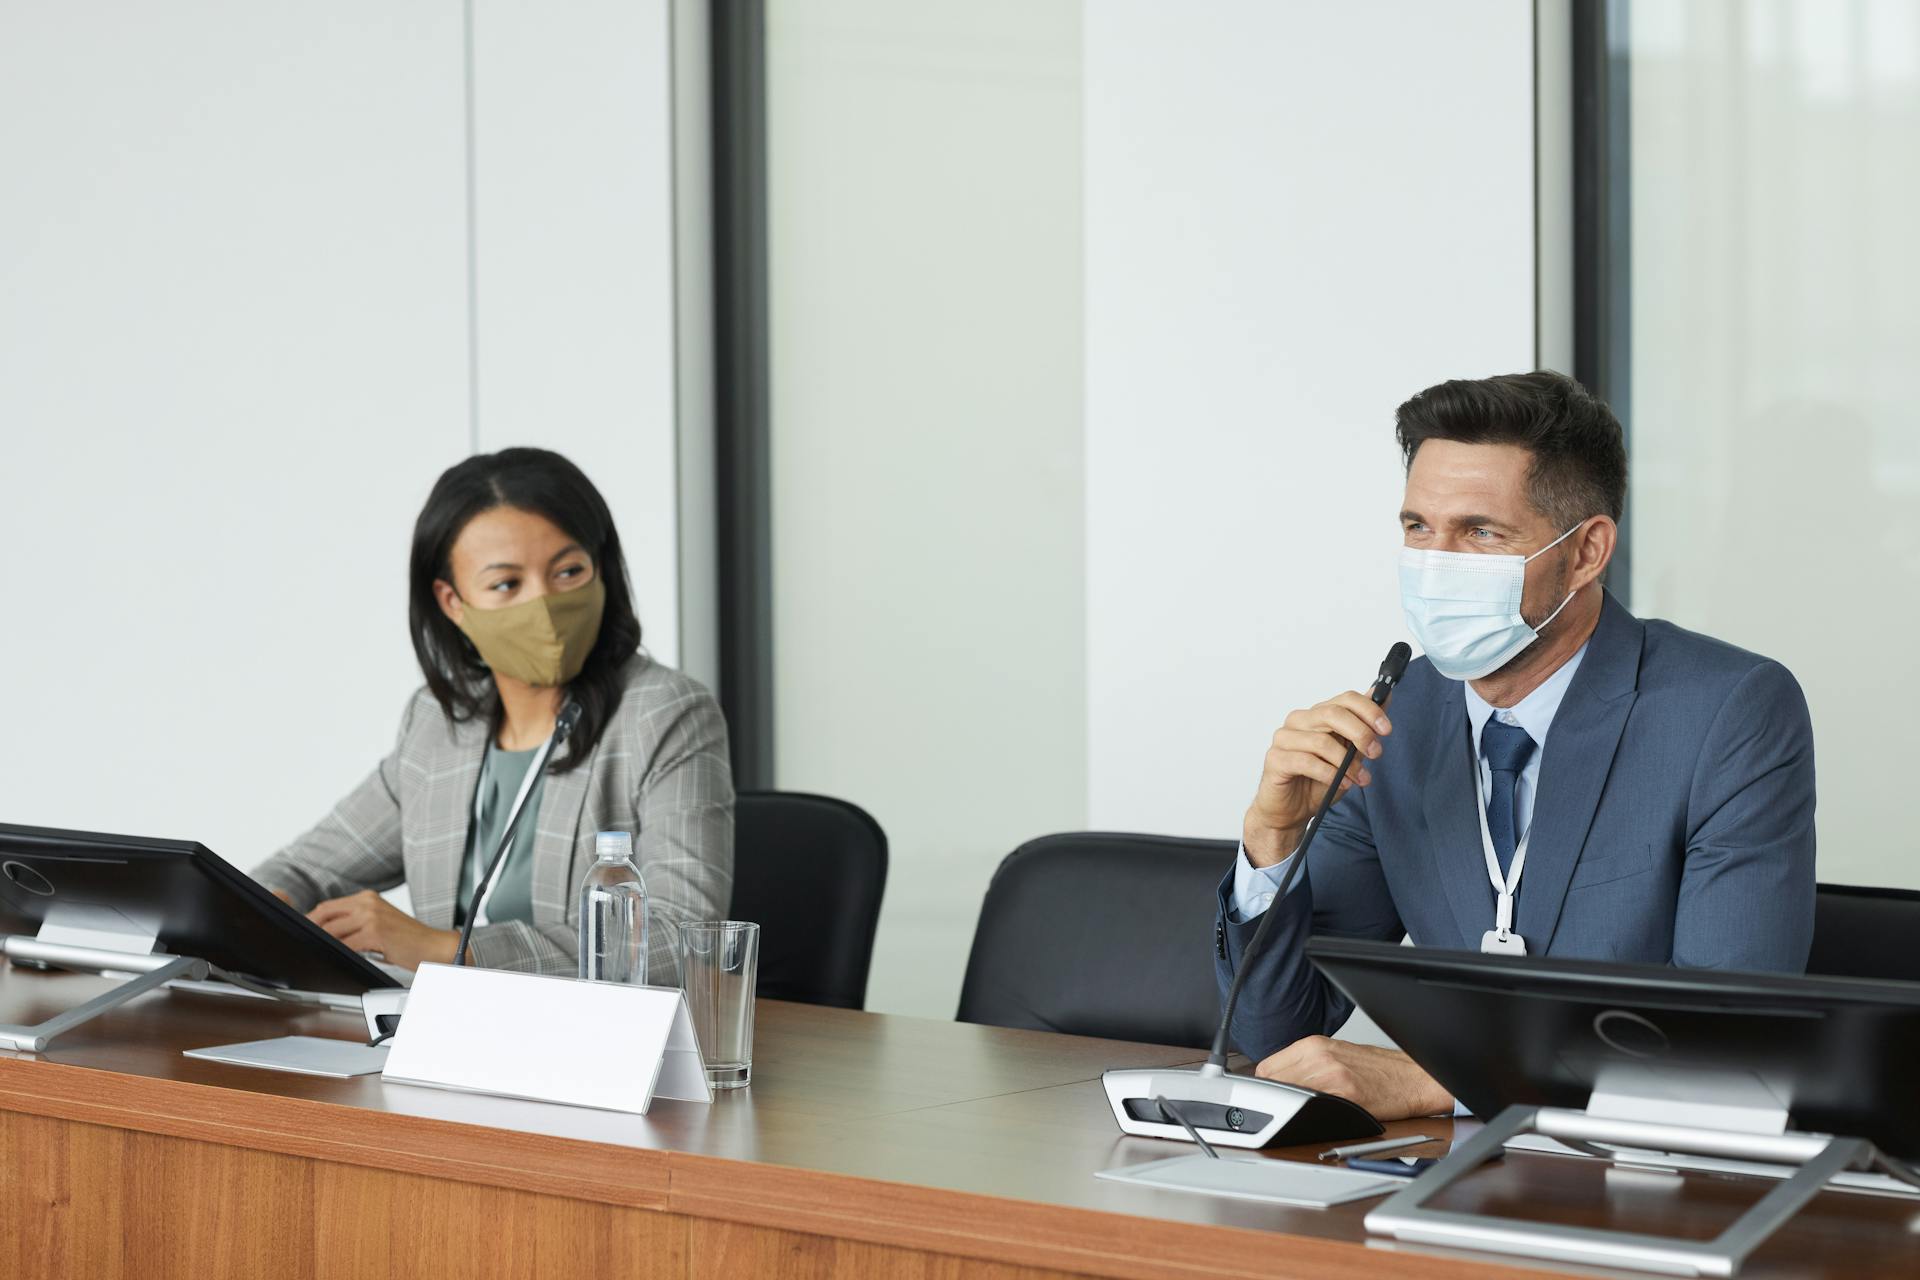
1030 1233
338 1132
903 1215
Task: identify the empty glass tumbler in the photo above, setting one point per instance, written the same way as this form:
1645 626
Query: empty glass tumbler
719 966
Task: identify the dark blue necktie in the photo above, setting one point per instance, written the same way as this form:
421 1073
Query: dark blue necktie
1507 749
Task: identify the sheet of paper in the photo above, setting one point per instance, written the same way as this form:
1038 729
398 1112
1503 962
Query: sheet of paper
1289 1182
304 1055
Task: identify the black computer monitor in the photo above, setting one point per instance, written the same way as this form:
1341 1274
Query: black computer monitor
177 891
1838 1055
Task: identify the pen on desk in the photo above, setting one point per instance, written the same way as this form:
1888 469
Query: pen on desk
1370 1148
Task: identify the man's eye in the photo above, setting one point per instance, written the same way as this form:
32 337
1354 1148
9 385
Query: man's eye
1478 533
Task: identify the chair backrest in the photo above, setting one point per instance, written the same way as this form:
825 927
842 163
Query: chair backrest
810 871
1866 933
1100 935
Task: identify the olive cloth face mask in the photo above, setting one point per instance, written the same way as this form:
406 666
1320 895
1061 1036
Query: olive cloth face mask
544 642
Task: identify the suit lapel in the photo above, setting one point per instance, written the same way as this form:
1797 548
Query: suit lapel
1573 770
454 773
1453 820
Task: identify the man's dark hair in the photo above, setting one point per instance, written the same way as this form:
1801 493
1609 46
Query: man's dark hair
1579 452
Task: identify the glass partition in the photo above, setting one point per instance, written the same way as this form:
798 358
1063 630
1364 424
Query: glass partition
1775 319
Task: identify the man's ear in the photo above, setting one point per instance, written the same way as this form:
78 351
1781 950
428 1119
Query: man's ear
450 602
1593 550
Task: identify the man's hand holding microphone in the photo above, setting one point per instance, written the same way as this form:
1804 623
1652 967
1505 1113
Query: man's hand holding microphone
1302 761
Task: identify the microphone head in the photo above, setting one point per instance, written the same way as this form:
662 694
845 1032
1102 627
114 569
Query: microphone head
570 716
1396 664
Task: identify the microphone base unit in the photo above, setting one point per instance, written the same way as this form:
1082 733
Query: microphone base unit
1230 1110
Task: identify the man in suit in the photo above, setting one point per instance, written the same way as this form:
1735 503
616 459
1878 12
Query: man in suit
1647 793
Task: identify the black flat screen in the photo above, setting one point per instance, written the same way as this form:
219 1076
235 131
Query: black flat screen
192 900
1837 1054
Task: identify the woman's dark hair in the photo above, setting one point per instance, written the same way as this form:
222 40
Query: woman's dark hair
543 482
1579 466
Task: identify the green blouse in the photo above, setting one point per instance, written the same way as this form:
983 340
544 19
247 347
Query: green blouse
501 773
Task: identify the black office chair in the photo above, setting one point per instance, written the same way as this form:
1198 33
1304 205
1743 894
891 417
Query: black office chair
1866 933
1100 935
810 870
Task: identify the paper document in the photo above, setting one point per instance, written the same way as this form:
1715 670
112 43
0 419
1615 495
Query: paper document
305 1055
1290 1182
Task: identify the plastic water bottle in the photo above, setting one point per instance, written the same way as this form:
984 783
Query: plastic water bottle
613 914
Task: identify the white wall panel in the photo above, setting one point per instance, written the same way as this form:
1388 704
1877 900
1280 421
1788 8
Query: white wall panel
924 210
232 359
574 267
1297 214
234 355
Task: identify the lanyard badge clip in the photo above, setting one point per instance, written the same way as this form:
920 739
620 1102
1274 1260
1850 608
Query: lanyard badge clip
1501 940
1495 943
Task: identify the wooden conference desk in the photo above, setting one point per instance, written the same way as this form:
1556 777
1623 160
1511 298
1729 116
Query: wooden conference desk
867 1146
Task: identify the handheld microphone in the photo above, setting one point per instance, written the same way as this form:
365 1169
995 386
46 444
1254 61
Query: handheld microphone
1243 1111
1391 669
562 726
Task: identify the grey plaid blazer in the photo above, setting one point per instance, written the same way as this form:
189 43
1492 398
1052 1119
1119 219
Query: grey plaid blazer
659 770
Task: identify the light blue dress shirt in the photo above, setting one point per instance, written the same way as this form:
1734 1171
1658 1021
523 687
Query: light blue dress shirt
1254 887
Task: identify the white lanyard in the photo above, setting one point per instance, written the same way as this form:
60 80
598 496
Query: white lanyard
526 785
1501 939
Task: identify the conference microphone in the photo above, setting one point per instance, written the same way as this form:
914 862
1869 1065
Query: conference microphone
1243 1111
562 726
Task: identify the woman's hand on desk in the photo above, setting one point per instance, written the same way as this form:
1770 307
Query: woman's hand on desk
366 921
1385 1081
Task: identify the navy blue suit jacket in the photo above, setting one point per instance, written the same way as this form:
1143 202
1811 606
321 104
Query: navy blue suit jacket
1673 824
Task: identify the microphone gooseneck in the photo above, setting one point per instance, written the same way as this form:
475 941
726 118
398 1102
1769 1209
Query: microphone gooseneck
1391 670
563 725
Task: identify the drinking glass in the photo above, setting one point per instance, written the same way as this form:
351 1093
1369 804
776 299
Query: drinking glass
719 966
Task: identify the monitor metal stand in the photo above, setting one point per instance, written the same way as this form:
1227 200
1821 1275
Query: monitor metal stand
91 948
1819 1156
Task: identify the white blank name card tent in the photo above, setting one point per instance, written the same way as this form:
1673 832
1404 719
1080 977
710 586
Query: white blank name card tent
588 1044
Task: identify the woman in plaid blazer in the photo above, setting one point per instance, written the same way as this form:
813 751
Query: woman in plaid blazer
519 603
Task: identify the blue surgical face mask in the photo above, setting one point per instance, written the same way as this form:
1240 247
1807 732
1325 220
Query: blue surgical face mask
1463 607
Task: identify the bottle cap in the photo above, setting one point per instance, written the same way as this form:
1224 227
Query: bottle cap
613 844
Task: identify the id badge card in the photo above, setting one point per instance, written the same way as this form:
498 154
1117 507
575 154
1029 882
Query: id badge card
1495 943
